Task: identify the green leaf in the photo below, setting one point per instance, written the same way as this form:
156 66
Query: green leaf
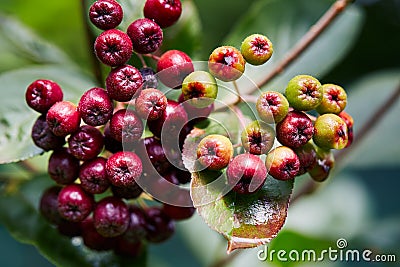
285 22
19 214
16 119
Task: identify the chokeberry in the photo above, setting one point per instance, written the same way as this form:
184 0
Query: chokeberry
195 115
149 78
173 66
256 49
137 224
70 229
86 143
226 63
182 210
74 204
159 227
215 152
150 104
330 132
92 239
164 12
307 157
123 168
113 47
111 217
258 138
199 89
154 152
132 191
63 118
48 205
304 92
127 248
43 137
95 107
272 107
282 163
110 143
42 94
105 14
124 83
63 168
349 122
325 163
334 99
126 126
93 176
146 35
295 130
246 173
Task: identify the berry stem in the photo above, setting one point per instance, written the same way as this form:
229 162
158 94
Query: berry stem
144 65
236 87
156 58
249 98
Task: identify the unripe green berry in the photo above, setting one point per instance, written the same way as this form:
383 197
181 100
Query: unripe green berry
282 163
330 132
226 63
256 49
304 92
272 107
334 99
214 152
200 89
258 138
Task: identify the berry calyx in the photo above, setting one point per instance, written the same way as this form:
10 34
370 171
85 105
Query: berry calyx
95 107
105 14
214 152
126 126
74 204
282 163
42 94
295 130
113 47
330 132
272 107
258 138
146 35
304 92
246 173
226 63
164 12
86 143
334 99
151 104
63 118
173 66
123 168
256 49
199 89
124 83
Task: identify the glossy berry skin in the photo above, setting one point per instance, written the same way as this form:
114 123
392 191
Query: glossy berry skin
151 104
149 78
258 138
282 163
42 94
199 89
48 205
70 229
178 213
123 168
307 156
304 92
110 143
295 130
173 67
349 122
226 63
63 118
43 137
154 152
246 173
146 35
214 152
63 168
159 227
330 132
325 163
111 217
334 99
86 143
164 12
124 83
113 47
126 126
93 240
137 225
93 176
272 107
256 49
95 107
74 204
105 14
127 192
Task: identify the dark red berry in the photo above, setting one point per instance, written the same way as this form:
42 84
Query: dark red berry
86 143
126 248
123 168
159 227
172 68
42 94
152 150
110 143
182 210
149 78
295 130
258 138
74 204
111 217
282 163
123 83
349 122
127 192
43 137
93 176
195 114
70 229
325 163
63 118
150 104
113 47
95 107
146 35
93 240
161 188
106 14
137 225
48 206
126 126
164 12
246 173
307 157
63 168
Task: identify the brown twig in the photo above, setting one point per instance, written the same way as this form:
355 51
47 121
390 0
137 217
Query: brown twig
156 58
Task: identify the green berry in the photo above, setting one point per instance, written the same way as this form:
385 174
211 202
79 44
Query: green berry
200 89
226 63
272 107
258 138
334 99
256 49
215 152
304 92
330 132
282 163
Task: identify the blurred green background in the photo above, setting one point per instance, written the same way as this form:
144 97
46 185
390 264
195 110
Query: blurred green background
360 51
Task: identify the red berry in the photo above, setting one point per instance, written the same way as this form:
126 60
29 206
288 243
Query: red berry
151 104
95 107
173 67
93 176
126 126
226 63
282 163
123 168
146 35
106 14
43 137
164 12
63 168
124 83
295 130
48 206
74 204
86 143
159 227
63 118
42 94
